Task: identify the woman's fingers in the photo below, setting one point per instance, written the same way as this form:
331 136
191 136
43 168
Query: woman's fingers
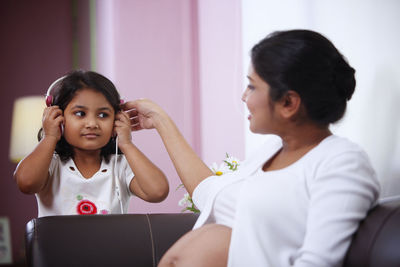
137 120
144 112
123 116
134 120
141 106
131 113
132 104
131 116
136 127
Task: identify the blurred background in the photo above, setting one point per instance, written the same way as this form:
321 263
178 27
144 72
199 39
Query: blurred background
191 57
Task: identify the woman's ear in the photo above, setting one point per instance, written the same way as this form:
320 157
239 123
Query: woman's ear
290 105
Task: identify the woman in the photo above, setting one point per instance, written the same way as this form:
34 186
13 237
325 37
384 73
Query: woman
300 198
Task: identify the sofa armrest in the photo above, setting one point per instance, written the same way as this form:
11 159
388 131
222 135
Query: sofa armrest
377 241
103 240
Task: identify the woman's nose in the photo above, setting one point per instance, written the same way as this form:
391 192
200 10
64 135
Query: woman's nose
244 96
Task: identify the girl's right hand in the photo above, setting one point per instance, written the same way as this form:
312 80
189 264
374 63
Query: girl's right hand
51 122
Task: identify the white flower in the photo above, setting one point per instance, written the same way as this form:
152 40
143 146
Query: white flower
185 200
231 162
219 170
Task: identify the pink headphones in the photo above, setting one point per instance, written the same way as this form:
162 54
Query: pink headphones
49 97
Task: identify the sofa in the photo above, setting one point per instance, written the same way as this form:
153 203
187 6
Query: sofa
141 239
103 240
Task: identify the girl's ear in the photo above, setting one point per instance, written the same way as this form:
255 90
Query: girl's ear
290 105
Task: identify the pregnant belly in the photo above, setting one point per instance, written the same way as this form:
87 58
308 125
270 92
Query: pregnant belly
205 246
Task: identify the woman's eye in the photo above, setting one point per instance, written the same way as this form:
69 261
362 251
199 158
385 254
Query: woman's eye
79 113
251 87
103 115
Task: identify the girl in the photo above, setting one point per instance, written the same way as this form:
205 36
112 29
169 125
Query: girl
73 169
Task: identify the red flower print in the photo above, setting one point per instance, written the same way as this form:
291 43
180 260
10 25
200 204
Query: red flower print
86 207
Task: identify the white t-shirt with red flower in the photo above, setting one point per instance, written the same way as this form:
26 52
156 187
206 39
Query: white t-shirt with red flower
68 192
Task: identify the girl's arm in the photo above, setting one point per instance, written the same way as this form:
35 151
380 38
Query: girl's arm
32 172
190 168
150 183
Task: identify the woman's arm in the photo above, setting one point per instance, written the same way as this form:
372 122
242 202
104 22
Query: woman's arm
32 172
340 197
189 166
150 183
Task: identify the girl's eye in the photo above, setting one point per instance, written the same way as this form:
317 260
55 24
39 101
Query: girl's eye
79 113
103 115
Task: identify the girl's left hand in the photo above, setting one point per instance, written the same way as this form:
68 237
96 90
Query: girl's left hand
122 128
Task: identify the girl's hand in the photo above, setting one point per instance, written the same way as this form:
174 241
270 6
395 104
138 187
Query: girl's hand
143 113
51 122
122 128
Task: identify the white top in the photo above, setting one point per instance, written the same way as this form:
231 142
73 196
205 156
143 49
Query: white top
302 215
224 208
68 192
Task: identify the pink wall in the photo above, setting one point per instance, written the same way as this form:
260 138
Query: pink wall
221 78
184 55
148 53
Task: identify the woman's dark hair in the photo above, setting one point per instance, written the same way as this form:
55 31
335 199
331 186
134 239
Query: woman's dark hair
308 63
65 90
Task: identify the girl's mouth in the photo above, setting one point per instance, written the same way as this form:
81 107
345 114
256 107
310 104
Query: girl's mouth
90 135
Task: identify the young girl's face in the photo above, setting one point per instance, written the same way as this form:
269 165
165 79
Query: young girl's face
88 120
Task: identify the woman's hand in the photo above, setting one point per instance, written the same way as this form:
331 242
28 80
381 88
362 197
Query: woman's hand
144 114
52 122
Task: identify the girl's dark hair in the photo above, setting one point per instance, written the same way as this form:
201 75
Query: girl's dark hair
64 91
308 63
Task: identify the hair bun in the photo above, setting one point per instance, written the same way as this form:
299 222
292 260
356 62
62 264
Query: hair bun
343 79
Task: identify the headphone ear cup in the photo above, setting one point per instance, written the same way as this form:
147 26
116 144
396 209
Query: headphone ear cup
49 100
49 95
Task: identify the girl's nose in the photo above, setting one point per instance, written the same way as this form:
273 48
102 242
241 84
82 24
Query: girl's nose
91 123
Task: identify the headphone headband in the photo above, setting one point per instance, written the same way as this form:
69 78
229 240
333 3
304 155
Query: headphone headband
49 97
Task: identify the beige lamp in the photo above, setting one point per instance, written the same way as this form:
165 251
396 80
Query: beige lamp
26 122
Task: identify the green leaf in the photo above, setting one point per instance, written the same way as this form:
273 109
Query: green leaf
180 186
193 209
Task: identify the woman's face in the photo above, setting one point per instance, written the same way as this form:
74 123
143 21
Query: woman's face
88 120
262 110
